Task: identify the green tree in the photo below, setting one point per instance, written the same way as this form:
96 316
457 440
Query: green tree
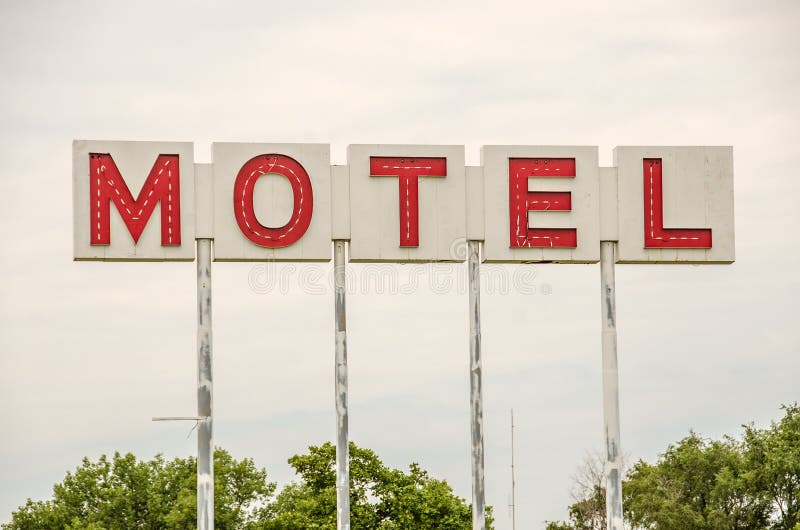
702 484
122 493
588 510
772 458
381 498
585 514
696 484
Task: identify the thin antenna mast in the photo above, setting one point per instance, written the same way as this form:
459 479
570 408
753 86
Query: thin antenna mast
513 479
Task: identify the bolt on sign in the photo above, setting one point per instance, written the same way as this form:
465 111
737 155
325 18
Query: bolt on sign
148 201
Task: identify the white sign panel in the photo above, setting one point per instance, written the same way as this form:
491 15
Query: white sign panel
133 201
675 204
407 202
542 203
272 202
402 203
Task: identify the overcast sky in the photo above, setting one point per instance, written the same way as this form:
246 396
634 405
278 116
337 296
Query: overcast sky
89 352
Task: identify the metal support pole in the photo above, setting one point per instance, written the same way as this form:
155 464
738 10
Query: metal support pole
475 386
342 439
513 479
613 471
205 441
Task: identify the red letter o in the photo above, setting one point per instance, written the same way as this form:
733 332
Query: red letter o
243 189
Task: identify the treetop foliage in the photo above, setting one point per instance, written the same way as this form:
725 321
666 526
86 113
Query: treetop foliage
701 484
123 493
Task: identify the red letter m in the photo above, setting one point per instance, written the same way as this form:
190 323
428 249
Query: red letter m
107 185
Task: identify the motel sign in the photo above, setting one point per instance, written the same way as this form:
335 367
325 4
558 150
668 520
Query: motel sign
149 201
143 201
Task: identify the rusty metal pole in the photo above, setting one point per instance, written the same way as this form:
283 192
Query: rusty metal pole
475 386
205 440
342 438
613 466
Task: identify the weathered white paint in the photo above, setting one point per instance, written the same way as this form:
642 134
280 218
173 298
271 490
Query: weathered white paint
585 214
340 196
204 201
476 387
134 161
205 439
609 217
613 466
342 436
375 209
229 242
698 193
476 230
